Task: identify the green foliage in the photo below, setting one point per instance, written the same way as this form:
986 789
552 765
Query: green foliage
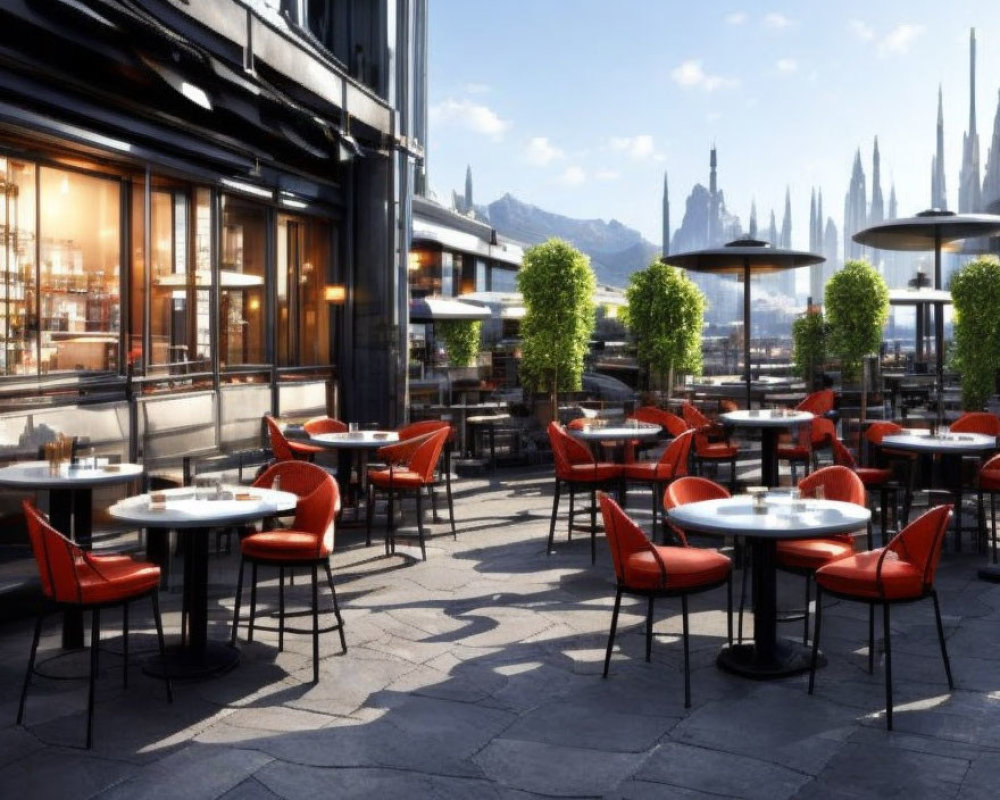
857 308
461 340
809 335
975 291
558 285
665 313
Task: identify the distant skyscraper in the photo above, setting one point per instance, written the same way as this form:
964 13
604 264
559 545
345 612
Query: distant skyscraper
877 213
855 210
666 216
893 207
991 178
772 234
970 198
469 208
714 220
753 219
813 242
786 221
830 237
939 197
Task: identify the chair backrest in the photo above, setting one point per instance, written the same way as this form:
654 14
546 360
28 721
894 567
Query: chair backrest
624 537
674 461
425 456
424 426
319 498
693 417
992 465
839 483
977 422
279 444
324 425
818 403
566 451
920 542
822 431
877 431
692 489
671 423
56 557
841 455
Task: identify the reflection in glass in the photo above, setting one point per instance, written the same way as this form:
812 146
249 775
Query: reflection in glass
241 290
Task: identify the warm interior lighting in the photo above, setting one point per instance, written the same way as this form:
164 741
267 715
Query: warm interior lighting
247 188
254 304
413 263
335 293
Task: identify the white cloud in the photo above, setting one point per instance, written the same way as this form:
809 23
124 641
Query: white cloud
540 151
861 29
787 65
607 175
476 88
471 116
776 21
573 176
638 147
690 74
736 18
899 39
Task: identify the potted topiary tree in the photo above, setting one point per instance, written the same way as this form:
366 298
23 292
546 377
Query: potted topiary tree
665 314
809 345
975 292
557 284
857 308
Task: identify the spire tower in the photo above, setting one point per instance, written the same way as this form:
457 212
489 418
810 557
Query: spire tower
970 198
666 216
939 196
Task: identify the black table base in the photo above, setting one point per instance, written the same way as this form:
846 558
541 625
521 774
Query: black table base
70 514
787 657
183 663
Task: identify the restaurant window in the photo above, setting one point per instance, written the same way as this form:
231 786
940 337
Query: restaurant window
503 280
243 255
303 314
60 290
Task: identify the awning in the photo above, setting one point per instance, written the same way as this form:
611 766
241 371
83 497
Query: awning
435 308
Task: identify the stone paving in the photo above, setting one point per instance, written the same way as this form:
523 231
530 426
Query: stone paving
477 674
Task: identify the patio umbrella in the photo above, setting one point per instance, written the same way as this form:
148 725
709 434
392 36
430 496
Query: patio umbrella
930 230
743 257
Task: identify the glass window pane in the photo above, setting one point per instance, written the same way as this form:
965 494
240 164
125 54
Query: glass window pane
18 295
241 276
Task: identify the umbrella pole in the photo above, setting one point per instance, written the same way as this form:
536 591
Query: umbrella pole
939 329
746 326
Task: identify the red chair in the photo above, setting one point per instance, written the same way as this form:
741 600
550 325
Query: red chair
805 556
651 571
577 469
307 543
657 474
411 469
419 428
802 447
285 449
672 426
895 460
977 422
710 443
874 479
988 483
901 572
74 578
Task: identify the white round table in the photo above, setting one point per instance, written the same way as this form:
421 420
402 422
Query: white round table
70 506
620 434
356 445
194 518
770 423
949 447
768 657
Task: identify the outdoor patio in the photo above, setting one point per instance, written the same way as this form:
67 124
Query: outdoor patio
478 674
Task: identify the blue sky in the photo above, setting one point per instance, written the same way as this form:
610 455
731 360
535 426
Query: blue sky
579 106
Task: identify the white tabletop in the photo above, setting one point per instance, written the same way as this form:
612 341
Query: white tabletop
736 515
766 418
36 474
607 433
183 510
941 443
356 440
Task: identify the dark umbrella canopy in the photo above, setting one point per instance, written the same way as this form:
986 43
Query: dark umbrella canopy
743 258
930 230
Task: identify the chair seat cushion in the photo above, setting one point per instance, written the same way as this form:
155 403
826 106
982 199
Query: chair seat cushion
304 449
687 568
397 478
106 579
598 472
794 451
651 471
874 476
285 545
718 450
812 553
855 575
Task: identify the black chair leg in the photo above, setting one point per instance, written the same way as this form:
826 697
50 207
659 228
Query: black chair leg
572 510
125 646
158 620
614 626
95 641
31 667
729 609
888 666
649 628
593 526
552 523
236 606
336 608
420 527
871 638
816 630
687 655
805 613
281 609
944 646
451 508
315 610
253 600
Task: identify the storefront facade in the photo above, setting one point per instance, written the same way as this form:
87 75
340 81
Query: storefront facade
205 209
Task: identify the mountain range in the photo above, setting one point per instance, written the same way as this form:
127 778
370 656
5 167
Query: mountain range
615 250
